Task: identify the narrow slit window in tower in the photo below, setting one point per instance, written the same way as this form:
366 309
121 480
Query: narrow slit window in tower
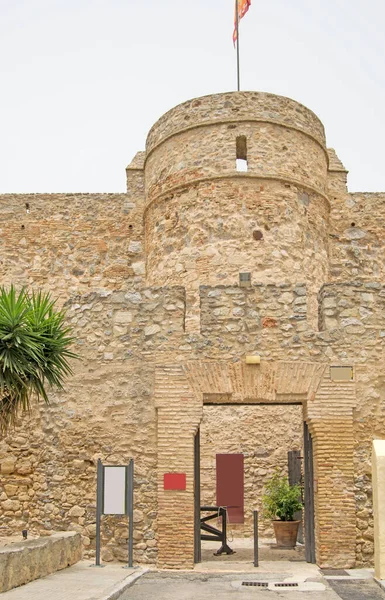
241 148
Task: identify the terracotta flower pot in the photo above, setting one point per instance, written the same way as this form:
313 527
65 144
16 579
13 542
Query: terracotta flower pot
286 533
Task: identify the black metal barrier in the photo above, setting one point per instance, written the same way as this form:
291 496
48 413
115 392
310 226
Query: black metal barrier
216 534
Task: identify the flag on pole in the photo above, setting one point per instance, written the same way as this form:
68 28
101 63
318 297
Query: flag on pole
243 7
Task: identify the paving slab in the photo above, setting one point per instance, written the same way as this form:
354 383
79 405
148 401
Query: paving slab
222 586
357 589
240 580
348 574
80 582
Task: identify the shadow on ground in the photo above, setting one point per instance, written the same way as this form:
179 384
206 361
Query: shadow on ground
244 552
357 589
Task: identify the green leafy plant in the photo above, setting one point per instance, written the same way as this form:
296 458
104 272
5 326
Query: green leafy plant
34 351
280 499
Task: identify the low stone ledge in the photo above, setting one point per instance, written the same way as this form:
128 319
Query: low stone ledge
25 561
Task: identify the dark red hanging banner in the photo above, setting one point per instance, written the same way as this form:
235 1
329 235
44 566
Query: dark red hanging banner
230 485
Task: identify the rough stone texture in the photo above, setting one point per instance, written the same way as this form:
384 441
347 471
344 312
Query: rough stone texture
232 108
107 412
70 243
357 306
357 241
30 560
201 214
250 311
150 281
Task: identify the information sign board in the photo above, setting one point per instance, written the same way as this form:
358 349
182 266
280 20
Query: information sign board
115 485
115 496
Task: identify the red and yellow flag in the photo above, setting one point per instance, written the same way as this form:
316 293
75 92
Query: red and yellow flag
243 7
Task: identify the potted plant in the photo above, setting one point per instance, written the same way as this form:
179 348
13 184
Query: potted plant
280 502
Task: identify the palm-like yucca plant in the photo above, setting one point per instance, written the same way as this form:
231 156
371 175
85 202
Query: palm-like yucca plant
34 351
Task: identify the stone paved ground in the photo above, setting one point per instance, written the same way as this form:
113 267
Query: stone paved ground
357 589
160 586
79 582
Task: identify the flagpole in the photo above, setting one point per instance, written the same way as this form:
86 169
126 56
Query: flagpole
238 62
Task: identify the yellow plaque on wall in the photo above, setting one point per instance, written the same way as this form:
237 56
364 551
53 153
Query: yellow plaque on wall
341 373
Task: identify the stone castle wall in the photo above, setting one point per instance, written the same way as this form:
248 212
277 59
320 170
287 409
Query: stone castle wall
48 465
357 306
71 243
357 240
248 311
150 278
206 222
233 108
108 411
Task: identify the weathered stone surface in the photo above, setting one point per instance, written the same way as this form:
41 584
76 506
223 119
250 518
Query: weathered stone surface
23 562
151 330
160 323
76 511
123 317
8 465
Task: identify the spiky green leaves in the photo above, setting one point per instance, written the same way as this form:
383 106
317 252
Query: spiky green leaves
34 351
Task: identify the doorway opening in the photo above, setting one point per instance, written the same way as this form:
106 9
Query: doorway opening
237 449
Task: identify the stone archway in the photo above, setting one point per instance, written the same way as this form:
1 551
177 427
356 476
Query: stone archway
180 392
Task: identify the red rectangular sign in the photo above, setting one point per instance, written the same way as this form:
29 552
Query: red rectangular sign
174 481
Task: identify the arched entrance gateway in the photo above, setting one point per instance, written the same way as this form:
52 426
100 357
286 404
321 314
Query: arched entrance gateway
180 393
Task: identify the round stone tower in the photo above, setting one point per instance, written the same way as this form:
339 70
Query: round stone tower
237 183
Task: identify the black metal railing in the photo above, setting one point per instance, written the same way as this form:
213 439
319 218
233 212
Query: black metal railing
212 533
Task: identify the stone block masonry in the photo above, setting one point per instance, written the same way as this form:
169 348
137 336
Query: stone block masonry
150 282
71 243
356 307
357 245
249 311
206 222
129 322
26 561
50 485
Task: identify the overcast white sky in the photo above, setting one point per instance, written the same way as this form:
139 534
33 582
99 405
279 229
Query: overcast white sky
82 81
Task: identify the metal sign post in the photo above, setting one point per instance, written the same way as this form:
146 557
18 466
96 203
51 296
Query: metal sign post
99 508
256 554
115 496
130 511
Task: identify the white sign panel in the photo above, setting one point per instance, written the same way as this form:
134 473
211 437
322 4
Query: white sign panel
114 491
